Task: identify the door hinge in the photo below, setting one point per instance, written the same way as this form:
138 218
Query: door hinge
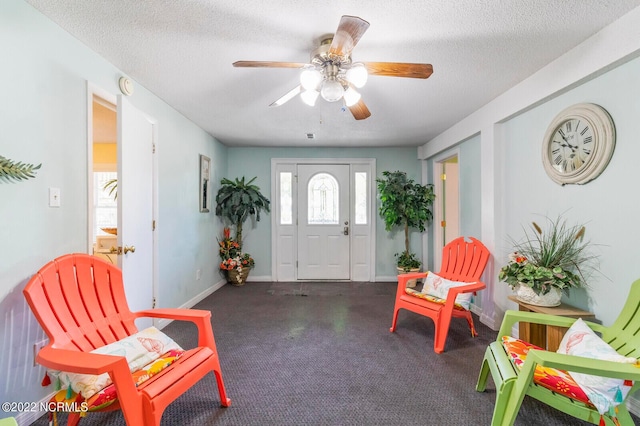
443 223
153 148
153 225
153 304
443 176
296 264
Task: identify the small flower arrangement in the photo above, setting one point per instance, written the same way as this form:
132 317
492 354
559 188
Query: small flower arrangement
232 255
557 258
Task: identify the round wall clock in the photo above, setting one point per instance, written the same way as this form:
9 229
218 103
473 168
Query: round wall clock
578 144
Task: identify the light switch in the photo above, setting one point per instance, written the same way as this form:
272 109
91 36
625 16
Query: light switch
54 197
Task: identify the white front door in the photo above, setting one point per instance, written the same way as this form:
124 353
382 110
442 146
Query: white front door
323 222
135 206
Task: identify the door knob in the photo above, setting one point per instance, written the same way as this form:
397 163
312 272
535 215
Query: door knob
128 249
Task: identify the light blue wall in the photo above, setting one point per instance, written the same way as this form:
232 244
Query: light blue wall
43 117
469 187
251 162
608 205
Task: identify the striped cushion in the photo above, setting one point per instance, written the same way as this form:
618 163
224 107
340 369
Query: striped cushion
558 381
430 298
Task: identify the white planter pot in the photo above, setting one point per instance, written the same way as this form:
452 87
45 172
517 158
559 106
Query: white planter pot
411 283
525 294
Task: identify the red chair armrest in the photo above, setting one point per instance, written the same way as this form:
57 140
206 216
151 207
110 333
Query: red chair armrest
201 318
471 288
79 362
403 278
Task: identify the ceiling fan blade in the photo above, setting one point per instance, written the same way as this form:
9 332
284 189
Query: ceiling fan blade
349 31
268 64
287 97
399 69
360 110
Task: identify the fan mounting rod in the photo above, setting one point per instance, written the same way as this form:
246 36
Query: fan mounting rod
322 55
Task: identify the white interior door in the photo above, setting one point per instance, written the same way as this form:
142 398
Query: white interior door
135 206
323 222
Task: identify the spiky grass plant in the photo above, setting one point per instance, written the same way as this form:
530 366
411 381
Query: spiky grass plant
558 257
16 171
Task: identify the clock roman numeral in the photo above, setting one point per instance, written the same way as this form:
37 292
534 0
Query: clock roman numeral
586 151
588 139
555 151
584 130
568 126
561 133
557 159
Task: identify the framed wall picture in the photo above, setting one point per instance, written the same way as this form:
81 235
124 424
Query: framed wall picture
205 184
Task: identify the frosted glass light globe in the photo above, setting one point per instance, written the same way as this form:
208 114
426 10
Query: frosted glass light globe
357 75
310 78
351 97
331 90
309 97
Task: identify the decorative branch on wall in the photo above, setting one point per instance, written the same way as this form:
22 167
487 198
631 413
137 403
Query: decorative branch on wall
12 171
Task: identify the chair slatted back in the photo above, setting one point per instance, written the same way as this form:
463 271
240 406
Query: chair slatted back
464 260
624 334
80 302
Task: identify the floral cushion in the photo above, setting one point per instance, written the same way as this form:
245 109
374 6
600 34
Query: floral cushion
416 293
604 392
558 381
435 285
108 395
140 350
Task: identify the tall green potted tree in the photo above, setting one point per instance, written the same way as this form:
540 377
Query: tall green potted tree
407 204
236 201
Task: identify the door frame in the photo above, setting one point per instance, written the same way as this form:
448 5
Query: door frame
358 271
437 211
93 90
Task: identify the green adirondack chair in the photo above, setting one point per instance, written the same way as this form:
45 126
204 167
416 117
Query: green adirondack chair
512 384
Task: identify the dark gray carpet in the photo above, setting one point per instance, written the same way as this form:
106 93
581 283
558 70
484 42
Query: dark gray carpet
322 354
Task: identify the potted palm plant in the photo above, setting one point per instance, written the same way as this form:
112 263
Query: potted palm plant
547 262
236 201
407 204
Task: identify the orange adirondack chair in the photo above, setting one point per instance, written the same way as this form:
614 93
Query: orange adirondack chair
462 261
79 301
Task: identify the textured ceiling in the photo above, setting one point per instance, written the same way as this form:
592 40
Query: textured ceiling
183 50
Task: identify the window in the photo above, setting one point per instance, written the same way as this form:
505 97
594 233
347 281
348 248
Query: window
323 198
361 198
105 206
286 198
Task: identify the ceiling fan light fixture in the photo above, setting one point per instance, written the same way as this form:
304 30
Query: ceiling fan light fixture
309 97
310 78
357 75
351 97
331 90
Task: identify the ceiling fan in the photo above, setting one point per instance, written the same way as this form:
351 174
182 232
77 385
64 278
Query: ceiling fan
332 74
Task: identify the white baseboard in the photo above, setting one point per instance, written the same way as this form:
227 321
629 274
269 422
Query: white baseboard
390 278
28 417
192 302
633 405
259 278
